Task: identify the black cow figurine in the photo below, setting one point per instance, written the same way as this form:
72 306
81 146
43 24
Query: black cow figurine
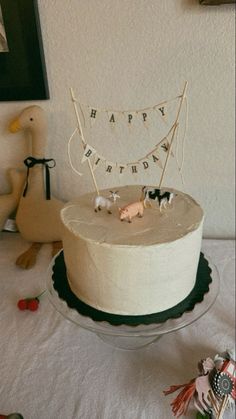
160 196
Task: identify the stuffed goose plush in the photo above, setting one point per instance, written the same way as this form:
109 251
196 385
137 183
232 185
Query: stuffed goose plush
9 202
38 214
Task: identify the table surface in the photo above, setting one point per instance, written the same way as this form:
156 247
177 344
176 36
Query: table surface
53 369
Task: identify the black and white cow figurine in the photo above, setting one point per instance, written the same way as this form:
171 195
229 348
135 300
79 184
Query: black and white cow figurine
162 197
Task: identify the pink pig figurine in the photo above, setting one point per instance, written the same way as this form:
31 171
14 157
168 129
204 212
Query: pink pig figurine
131 210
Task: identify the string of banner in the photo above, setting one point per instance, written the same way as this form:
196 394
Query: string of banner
90 152
130 115
95 159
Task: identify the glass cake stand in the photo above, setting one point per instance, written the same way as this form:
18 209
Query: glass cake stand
133 337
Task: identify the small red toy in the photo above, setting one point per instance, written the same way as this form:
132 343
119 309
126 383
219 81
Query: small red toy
22 305
31 304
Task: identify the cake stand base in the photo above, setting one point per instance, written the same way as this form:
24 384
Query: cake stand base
128 343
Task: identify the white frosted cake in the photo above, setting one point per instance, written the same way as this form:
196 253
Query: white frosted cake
137 268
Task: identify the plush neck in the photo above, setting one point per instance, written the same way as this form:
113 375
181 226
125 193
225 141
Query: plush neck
38 138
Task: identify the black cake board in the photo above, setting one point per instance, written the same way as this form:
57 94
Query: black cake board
61 285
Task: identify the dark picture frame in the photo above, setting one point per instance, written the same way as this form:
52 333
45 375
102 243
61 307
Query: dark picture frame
216 2
22 68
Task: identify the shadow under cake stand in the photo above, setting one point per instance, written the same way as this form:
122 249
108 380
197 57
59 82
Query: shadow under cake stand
131 336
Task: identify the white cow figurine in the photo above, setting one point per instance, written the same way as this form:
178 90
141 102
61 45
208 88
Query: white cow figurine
162 197
102 202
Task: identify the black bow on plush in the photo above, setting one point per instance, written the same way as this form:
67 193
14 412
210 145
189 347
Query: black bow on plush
31 162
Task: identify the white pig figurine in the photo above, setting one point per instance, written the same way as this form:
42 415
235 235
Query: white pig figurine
131 210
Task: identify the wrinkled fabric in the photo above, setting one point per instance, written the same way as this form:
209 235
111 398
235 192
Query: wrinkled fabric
53 369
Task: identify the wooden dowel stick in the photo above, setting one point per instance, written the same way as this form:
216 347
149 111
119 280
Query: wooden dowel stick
213 401
222 407
168 154
83 139
173 133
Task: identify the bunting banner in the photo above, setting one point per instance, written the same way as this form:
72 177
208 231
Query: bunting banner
130 116
157 156
144 115
134 167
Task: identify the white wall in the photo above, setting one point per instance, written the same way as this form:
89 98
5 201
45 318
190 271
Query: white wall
126 54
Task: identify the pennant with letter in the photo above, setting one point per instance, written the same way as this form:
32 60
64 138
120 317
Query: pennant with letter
161 109
88 153
97 161
165 146
129 118
155 158
134 167
111 117
93 115
121 168
109 167
144 163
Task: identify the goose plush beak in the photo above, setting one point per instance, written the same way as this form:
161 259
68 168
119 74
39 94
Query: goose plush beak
14 126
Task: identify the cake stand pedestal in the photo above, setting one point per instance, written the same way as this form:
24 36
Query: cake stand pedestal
133 337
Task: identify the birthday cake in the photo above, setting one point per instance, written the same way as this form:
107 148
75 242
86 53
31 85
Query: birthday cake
146 264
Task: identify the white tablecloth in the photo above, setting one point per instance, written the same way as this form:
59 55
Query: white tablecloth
53 369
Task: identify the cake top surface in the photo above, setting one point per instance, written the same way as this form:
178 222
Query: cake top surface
181 217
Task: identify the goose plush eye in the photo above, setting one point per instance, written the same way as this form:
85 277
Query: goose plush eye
31 119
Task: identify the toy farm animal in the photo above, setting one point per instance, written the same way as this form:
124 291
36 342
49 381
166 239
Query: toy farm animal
161 197
101 202
38 216
131 210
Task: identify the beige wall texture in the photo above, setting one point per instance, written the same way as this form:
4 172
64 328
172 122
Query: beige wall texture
132 54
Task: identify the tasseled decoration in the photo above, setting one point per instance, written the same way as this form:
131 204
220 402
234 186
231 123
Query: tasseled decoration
181 402
213 390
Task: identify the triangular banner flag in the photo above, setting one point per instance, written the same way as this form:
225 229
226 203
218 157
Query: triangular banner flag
144 163
97 161
134 167
111 117
88 153
155 158
165 147
110 166
93 115
121 168
130 118
144 117
161 111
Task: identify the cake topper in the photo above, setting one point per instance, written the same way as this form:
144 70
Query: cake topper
102 202
30 303
212 392
94 158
